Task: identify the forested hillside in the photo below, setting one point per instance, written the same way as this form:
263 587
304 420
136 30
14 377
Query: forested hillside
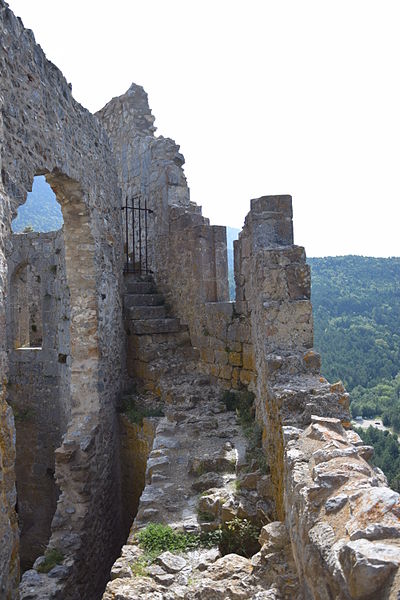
356 303
41 211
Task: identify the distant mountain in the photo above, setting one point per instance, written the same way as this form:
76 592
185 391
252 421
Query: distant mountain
41 211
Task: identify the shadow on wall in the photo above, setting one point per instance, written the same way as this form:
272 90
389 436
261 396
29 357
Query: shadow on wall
38 322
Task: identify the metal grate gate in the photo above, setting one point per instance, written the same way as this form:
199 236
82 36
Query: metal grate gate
136 235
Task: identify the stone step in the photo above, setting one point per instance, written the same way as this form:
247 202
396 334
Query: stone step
151 352
147 312
153 346
143 300
140 287
152 326
134 277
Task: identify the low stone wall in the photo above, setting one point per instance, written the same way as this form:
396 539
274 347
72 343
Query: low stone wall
343 520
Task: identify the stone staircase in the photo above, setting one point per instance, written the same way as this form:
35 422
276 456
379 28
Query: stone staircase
145 308
156 341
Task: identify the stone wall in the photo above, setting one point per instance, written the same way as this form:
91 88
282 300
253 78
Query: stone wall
136 444
187 255
223 336
148 166
39 379
342 519
44 131
9 560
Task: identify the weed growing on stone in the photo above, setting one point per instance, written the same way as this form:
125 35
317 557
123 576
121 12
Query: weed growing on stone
205 517
157 538
52 557
243 404
255 453
136 414
239 536
139 567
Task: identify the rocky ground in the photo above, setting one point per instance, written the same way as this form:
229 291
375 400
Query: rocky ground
202 474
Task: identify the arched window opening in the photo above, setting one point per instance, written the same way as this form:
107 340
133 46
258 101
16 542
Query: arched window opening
41 211
27 298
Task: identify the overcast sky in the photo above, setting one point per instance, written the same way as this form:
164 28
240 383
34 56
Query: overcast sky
295 97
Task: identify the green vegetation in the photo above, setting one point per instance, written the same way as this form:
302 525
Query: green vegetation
205 517
356 303
357 329
23 415
157 538
136 413
139 567
243 403
52 557
386 455
381 400
239 536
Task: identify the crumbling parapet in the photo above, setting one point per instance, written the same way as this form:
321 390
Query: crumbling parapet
342 519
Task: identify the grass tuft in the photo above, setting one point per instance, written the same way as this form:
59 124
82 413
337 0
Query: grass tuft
52 557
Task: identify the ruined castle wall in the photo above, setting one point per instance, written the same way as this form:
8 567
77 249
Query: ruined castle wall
187 255
337 508
9 560
44 131
147 166
39 382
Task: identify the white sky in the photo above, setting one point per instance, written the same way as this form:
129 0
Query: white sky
296 97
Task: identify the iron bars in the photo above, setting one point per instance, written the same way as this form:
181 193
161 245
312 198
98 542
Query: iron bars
136 235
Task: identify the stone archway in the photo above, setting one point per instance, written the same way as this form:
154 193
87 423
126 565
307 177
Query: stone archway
51 388
80 253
